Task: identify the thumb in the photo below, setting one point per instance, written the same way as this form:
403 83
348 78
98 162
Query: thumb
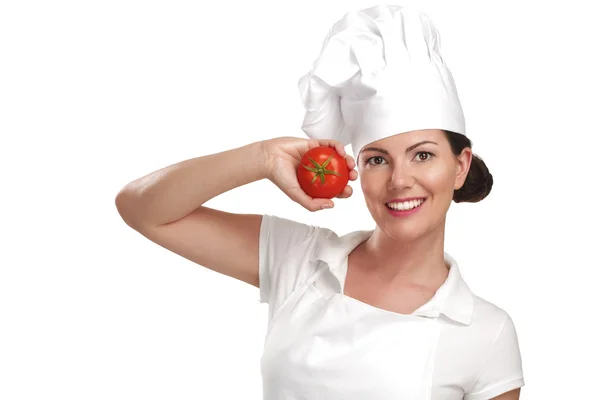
310 203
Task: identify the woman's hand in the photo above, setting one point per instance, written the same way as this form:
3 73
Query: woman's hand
283 156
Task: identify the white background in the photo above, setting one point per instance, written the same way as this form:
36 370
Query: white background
96 94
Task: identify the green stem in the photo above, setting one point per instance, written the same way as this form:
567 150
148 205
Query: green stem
320 170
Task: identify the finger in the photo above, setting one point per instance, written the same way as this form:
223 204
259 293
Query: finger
350 161
337 145
312 143
340 148
308 202
353 175
347 192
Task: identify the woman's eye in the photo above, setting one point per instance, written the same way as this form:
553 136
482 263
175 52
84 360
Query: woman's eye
378 162
424 152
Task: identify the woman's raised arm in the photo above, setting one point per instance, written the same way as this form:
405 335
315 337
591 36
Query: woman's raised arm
166 205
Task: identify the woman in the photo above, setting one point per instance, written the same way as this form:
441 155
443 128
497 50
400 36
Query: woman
380 314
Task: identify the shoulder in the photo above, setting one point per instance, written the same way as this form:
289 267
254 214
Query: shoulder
488 313
496 364
287 251
488 322
284 237
493 334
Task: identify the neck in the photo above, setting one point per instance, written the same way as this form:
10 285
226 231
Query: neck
399 261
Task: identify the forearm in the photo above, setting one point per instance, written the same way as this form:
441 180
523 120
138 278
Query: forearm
173 192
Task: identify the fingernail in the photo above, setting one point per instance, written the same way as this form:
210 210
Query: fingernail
327 205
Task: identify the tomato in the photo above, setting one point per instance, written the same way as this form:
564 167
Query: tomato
323 173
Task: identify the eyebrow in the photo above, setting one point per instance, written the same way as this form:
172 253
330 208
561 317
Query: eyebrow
407 150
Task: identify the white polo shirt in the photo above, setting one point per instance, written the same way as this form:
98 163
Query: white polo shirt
477 355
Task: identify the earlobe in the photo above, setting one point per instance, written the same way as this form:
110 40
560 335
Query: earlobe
459 182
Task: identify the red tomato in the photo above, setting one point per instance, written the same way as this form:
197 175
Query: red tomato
323 173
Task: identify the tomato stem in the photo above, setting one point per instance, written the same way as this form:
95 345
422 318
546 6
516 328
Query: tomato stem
320 170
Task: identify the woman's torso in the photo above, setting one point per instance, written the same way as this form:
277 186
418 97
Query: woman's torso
327 345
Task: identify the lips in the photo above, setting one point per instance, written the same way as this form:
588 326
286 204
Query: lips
421 199
405 199
403 213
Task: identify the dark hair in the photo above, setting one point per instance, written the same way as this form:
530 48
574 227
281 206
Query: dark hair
479 180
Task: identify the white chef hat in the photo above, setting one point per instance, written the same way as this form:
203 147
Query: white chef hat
380 73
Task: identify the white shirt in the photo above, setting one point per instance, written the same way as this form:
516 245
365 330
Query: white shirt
474 352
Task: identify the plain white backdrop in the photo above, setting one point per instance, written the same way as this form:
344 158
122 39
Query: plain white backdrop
96 94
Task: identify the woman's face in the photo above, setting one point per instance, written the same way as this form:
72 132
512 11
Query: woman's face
398 167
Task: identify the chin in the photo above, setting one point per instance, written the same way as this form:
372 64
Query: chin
404 234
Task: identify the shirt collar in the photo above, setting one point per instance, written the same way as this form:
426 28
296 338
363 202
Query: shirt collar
454 299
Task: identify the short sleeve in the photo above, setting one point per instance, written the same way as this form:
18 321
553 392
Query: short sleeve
503 369
284 257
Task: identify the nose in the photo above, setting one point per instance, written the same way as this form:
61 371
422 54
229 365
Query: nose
401 178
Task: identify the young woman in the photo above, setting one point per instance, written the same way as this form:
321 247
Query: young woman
378 314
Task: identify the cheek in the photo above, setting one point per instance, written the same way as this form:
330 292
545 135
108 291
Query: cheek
366 189
439 180
374 189
437 177
369 185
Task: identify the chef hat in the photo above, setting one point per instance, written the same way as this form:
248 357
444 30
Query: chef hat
379 73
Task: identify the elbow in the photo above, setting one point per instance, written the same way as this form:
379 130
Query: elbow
125 203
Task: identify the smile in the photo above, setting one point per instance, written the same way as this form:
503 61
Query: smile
404 209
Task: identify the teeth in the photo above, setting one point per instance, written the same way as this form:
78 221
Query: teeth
407 205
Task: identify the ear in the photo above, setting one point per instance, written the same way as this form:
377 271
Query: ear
463 164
